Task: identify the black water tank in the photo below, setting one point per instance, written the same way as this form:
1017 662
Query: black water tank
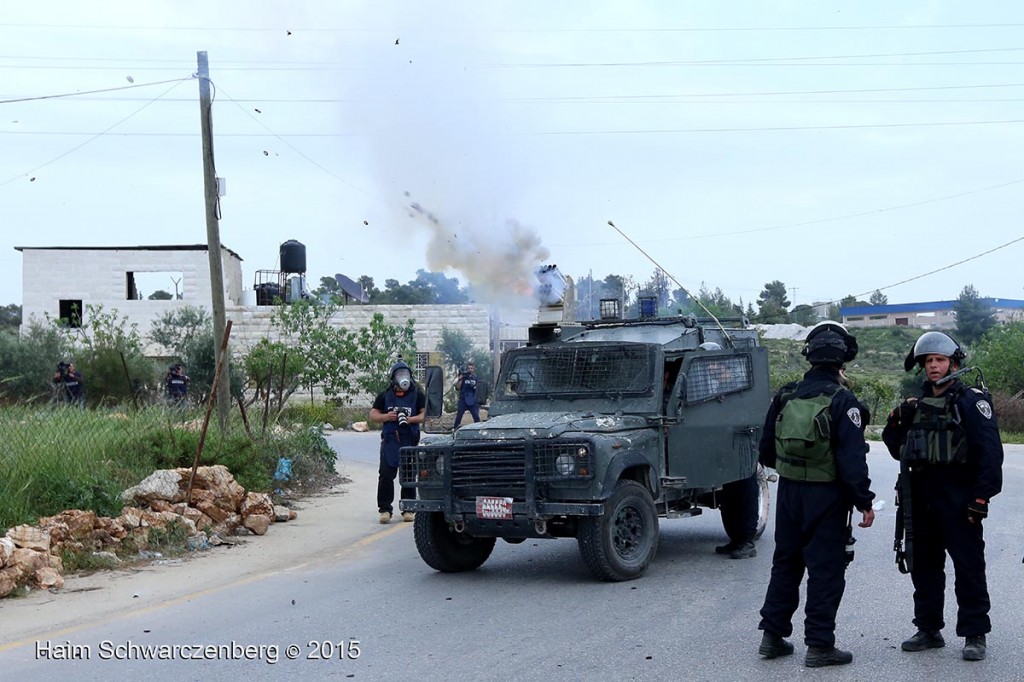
293 256
267 292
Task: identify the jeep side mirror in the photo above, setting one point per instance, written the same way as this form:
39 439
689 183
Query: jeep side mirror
434 386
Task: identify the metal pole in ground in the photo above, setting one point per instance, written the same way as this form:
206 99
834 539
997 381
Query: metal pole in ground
209 408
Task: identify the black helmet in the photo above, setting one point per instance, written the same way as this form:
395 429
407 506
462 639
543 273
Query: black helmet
828 343
407 377
933 343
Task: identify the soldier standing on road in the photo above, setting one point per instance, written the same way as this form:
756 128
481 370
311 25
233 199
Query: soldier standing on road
814 437
948 444
401 408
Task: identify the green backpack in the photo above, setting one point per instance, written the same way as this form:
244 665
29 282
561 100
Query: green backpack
803 438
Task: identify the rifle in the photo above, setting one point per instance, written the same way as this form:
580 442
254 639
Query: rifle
903 544
959 373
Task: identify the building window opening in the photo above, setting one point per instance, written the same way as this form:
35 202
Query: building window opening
70 313
154 286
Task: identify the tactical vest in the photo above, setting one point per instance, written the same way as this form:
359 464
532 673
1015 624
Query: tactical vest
803 437
936 435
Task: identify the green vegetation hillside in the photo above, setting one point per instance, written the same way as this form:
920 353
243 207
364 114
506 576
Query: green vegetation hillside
881 355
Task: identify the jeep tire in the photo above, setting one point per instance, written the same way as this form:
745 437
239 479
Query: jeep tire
445 550
621 544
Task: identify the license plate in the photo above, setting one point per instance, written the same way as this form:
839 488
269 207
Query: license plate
494 508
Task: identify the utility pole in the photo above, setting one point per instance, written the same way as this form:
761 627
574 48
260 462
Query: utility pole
211 193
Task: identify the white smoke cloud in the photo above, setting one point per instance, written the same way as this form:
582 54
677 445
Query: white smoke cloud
498 265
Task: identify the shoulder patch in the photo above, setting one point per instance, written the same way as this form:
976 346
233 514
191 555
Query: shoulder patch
854 414
984 408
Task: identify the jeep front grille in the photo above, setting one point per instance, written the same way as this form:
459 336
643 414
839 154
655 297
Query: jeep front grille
497 469
489 471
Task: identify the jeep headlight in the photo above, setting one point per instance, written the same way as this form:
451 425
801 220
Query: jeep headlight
565 465
439 465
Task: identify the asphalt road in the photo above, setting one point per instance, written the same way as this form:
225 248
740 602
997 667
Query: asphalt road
533 612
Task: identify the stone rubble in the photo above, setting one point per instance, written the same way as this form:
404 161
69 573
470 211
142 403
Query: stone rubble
220 507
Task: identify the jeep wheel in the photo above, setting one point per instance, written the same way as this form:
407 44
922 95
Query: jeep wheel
445 550
621 544
764 500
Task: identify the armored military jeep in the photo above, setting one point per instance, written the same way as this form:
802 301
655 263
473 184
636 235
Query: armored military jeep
595 430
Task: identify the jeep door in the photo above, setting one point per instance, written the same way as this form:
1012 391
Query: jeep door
724 397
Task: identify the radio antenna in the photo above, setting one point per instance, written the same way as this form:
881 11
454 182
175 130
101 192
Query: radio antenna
677 282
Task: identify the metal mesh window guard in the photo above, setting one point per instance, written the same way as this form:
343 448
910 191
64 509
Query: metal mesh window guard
711 377
579 370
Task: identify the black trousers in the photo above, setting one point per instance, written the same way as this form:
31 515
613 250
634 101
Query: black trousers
810 534
940 526
738 504
386 487
474 410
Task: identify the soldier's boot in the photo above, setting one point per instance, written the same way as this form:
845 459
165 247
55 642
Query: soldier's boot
728 547
974 648
385 517
773 646
408 516
924 639
821 656
746 550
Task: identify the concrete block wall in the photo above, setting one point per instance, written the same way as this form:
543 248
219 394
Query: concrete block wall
252 323
98 277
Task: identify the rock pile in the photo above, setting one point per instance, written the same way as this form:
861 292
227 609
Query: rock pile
31 555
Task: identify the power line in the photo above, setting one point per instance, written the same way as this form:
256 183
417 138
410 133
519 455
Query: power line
946 267
847 126
653 131
861 214
742 63
819 221
477 30
629 98
749 60
99 134
779 92
746 60
294 148
93 92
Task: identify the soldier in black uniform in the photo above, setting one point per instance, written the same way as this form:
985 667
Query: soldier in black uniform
814 437
947 441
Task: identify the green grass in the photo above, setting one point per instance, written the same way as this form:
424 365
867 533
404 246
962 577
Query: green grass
58 459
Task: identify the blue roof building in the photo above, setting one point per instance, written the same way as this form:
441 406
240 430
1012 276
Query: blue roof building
928 315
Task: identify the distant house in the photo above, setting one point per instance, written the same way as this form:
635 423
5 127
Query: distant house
141 282
930 315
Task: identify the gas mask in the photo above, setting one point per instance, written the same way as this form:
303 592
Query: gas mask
402 379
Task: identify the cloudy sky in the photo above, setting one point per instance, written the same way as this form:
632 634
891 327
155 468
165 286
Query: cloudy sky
840 147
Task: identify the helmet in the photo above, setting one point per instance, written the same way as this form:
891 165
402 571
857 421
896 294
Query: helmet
828 343
933 343
401 375
709 345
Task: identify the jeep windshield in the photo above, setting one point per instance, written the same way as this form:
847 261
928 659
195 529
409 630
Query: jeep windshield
577 370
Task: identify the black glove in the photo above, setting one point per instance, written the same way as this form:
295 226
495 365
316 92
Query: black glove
903 414
977 510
